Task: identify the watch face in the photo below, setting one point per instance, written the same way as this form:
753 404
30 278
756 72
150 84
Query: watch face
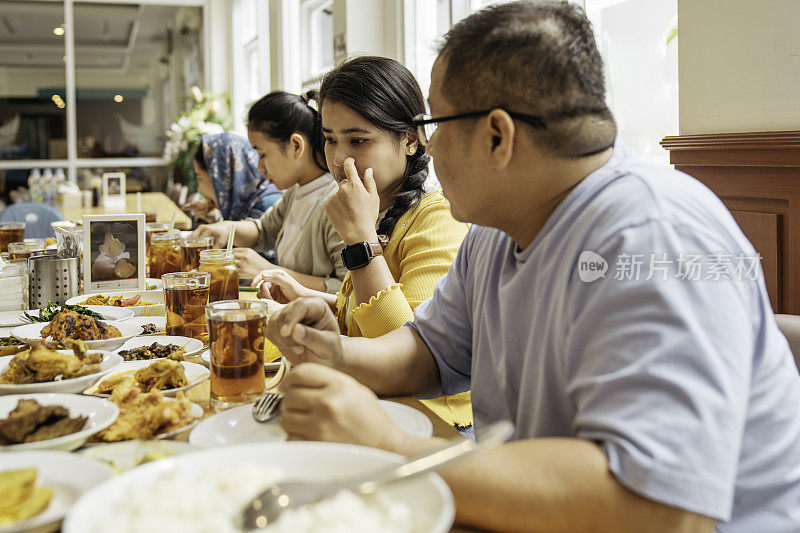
356 256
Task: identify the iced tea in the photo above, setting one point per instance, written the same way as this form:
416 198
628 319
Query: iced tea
165 254
186 296
237 332
224 276
22 250
191 248
11 232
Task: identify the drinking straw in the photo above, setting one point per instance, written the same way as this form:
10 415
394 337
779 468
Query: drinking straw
138 202
172 223
231 234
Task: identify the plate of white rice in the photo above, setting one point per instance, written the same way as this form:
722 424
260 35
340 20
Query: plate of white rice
203 492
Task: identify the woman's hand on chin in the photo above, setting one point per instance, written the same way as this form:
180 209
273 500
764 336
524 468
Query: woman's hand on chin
353 210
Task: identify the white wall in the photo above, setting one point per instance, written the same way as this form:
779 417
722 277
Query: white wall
739 65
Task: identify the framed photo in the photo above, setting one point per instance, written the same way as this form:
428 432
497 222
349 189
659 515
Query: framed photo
114 189
113 252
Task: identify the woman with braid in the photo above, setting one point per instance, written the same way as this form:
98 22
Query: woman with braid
399 238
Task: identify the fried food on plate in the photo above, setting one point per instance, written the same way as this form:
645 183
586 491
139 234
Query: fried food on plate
68 324
40 364
20 498
32 422
159 375
143 415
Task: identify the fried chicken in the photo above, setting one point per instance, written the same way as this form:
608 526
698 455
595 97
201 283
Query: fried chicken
142 415
41 364
68 324
161 374
30 422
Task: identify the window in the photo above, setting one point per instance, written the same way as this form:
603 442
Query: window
316 29
91 83
641 69
250 57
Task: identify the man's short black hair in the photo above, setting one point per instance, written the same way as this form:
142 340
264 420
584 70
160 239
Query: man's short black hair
538 58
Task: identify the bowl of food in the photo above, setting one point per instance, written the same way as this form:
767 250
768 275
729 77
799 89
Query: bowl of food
42 369
142 303
52 421
68 324
101 312
40 486
145 498
165 375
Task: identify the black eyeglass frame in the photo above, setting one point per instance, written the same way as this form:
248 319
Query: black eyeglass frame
420 121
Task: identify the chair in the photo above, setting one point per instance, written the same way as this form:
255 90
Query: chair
790 327
37 218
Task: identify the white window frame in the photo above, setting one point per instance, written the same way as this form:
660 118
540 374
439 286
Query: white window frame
72 163
309 41
241 99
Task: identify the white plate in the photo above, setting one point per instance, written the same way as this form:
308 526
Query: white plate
236 426
194 374
108 312
153 284
154 296
12 318
427 496
190 345
32 333
109 363
67 474
158 321
269 367
196 411
100 413
122 456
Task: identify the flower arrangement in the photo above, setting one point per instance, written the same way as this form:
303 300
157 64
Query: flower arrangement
207 114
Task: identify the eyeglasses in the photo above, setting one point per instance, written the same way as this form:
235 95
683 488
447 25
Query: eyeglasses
427 125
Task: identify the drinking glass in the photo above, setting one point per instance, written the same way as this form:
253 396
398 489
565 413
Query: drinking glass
191 248
186 295
165 254
11 232
221 264
237 332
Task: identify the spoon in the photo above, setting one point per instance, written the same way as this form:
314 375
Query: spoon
266 507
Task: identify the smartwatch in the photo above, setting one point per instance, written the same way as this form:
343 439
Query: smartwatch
360 254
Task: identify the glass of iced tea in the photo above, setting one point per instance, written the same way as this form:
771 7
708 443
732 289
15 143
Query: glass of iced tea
237 332
186 296
22 250
221 264
164 255
191 248
11 232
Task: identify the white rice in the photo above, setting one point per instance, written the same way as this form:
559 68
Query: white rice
207 501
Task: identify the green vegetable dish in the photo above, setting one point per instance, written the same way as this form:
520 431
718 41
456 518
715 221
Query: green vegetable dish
47 313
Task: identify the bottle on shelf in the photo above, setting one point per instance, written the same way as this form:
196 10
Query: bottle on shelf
35 185
47 186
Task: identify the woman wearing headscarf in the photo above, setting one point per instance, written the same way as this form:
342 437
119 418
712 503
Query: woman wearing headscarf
227 175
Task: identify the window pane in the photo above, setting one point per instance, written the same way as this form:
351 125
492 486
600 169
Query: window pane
134 66
430 27
32 80
641 69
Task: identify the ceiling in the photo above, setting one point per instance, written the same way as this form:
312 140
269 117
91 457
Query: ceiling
108 37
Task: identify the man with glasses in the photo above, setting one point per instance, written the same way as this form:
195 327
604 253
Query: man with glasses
597 303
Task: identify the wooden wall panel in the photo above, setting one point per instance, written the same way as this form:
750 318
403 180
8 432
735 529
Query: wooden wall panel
757 176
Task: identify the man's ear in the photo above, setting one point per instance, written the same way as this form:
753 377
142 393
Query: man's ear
297 145
501 132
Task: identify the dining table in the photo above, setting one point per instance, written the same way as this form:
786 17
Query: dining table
152 202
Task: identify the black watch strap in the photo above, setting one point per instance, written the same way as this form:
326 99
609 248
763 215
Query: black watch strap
360 254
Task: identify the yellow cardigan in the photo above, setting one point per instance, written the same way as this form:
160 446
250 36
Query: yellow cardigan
422 247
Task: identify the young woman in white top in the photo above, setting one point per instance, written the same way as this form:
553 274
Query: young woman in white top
285 132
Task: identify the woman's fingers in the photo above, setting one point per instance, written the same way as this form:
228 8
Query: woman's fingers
352 173
369 182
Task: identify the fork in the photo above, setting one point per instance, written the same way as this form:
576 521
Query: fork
267 407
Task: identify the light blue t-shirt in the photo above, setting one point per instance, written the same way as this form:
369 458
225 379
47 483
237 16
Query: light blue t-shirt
677 371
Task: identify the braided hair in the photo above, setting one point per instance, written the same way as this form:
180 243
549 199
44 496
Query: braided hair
279 115
385 94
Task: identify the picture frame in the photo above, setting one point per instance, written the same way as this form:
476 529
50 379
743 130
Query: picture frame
113 252
113 191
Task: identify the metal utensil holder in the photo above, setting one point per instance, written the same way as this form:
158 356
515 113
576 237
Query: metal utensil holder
53 279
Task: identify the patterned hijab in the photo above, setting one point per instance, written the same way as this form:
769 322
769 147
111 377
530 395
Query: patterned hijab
232 163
